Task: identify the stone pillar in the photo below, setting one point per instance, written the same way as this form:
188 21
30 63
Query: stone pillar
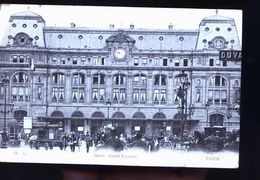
170 89
67 90
88 87
150 88
109 83
129 88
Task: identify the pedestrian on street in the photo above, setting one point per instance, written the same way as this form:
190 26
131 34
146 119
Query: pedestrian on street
72 142
88 140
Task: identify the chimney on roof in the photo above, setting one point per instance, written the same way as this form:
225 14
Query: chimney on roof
72 25
170 26
132 26
111 26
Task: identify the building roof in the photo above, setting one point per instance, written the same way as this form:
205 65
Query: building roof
26 15
217 19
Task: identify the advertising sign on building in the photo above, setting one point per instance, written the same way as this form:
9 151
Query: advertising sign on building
27 122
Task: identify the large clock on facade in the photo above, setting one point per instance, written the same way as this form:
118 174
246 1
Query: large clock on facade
119 53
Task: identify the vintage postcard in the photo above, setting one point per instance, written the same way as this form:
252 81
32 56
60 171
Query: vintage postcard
120 85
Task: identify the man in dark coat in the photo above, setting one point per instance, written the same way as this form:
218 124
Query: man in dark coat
88 141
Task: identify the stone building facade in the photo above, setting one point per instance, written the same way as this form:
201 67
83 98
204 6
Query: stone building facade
86 78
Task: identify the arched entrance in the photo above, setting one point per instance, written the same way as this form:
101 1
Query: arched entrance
56 126
138 123
16 127
216 120
159 124
77 122
119 123
97 121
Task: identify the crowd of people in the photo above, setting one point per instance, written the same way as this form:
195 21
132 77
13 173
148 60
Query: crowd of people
110 138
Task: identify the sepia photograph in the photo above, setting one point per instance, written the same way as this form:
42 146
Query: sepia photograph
126 86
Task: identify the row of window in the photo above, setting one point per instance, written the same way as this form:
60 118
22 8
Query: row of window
217 89
101 61
78 79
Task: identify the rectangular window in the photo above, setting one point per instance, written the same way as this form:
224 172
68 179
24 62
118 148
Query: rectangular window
39 92
14 93
198 95
20 93
165 62
224 63
81 94
54 94
61 94
95 60
101 95
95 95
21 59
217 80
136 96
115 95
210 97
217 62
83 60
224 97
163 96
211 62
156 96
177 62
62 61
102 61
15 59
75 61
185 62
217 97
142 96
1 92
156 62
136 62
122 95
74 94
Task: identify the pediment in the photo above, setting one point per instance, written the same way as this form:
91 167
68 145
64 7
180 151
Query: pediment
120 37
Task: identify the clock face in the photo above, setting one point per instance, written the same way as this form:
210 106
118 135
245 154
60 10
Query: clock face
120 53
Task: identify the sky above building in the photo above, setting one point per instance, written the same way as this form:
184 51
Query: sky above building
121 17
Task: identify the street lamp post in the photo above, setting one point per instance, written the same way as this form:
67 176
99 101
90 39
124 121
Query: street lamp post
108 103
207 114
5 82
182 94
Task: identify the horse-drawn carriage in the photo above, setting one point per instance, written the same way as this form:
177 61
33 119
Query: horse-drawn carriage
42 139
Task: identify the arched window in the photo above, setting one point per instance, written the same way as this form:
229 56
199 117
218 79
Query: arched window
118 115
217 90
159 92
19 115
58 86
98 115
159 115
77 114
139 89
20 87
139 115
98 90
119 88
78 87
57 114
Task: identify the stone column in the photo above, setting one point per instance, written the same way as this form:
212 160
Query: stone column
129 88
150 88
88 87
109 84
68 89
170 89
